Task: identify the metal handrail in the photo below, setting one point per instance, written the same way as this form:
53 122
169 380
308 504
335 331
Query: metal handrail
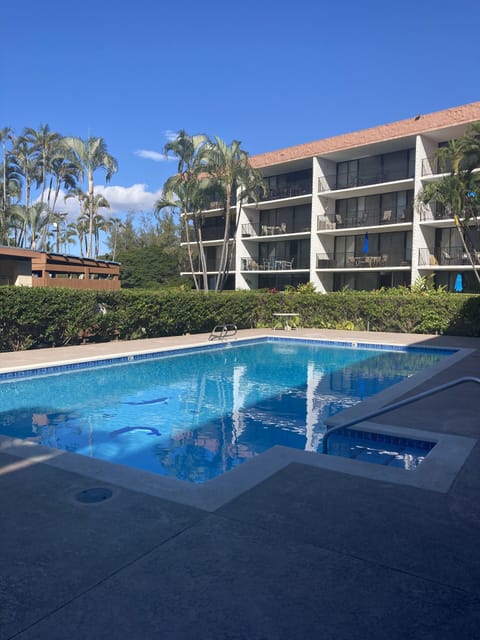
221 331
396 405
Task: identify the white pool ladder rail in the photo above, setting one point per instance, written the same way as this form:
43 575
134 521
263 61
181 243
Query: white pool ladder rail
223 331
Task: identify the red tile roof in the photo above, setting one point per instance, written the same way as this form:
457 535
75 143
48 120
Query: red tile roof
464 114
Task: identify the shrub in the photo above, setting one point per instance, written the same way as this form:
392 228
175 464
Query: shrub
36 317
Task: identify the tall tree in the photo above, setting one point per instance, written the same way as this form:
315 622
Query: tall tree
58 221
44 144
11 185
25 166
67 236
89 207
230 174
32 221
184 191
101 223
115 225
209 169
78 229
91 155
64 175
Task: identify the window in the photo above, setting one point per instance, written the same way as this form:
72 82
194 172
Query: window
287 219
370 210
375 169
291 184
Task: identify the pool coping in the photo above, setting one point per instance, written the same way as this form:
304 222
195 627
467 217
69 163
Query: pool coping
436 473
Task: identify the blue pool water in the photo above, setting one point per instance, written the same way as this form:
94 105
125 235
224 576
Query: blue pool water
196 416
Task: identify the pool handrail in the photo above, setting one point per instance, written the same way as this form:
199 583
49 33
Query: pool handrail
395 405
221 331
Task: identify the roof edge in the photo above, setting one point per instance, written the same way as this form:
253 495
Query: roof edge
463 114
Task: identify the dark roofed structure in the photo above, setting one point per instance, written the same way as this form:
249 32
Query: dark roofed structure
30 268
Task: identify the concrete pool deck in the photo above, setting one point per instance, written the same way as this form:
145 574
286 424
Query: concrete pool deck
307 552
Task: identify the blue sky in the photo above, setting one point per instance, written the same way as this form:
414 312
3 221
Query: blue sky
268 73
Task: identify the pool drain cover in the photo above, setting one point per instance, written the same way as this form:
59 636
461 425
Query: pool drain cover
95 494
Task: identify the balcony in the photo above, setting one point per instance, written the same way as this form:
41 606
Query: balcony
250 230
434 166
438 212
452 257
293 190
351 261
365 219
334 182
209 233
212 264
267 264
434 212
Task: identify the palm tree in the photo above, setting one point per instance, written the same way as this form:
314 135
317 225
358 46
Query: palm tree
230 172
67 236
33 220
44 143
89 211
114 226
188 197
101 223
90 155
459 191
78 229
470 148
25 166
184 191
11 185
64 174
58 220
4 137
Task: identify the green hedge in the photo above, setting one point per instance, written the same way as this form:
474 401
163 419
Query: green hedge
36 317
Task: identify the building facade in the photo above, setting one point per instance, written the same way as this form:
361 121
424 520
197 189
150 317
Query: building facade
343 212
30 268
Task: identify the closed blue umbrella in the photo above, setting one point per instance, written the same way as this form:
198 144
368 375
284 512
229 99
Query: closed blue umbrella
458 283
365 244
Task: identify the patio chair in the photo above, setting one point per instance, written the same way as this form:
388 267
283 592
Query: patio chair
387 216
447 257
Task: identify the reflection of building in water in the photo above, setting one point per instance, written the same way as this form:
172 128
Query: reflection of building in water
313 408
309 411
241 389
39 420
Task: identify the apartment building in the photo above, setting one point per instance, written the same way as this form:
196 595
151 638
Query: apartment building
343 212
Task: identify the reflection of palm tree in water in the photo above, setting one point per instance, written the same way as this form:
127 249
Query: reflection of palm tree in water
182 457
222 406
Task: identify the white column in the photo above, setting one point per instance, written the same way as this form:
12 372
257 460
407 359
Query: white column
323 172
421 238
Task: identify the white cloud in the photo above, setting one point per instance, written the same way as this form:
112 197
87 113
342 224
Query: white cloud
156 156
170 135
135 198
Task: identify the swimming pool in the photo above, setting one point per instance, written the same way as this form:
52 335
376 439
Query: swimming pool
195 414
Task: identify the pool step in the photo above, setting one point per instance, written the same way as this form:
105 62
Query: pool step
378 448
